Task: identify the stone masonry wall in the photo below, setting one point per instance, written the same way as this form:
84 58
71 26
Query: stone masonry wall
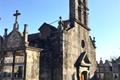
32 64
72 50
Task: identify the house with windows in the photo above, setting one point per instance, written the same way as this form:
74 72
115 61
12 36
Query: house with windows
109 70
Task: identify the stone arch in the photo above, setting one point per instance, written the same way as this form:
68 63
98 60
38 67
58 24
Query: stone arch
84 75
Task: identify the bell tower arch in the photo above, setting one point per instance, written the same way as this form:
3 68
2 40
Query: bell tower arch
79 11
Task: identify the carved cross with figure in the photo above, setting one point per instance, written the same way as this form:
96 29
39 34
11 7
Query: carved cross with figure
16 15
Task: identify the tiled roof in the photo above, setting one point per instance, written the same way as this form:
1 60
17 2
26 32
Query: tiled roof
47 25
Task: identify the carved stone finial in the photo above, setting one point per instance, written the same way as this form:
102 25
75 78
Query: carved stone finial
94 38
25 28
60 18
5 33
94 41
25 35
101 61
60 23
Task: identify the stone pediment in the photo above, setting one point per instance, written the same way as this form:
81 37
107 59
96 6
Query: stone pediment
82 60
15 40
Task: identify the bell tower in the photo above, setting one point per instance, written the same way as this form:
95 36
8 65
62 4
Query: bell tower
79 11
78 49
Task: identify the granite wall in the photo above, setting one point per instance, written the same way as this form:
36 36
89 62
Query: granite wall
32 64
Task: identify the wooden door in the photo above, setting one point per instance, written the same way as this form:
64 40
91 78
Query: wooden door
81 76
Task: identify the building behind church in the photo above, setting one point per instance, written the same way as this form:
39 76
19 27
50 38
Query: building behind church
109 70
66 52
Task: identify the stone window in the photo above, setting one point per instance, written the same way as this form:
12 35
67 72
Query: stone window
18 71
101 76
115 76
19 64
19 57
14 64
8 57
82 43
7 71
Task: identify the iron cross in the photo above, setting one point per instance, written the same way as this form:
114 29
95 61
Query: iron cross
16 15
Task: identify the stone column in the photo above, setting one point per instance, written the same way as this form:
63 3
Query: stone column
32 64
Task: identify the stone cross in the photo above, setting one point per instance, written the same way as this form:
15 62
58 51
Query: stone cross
16 15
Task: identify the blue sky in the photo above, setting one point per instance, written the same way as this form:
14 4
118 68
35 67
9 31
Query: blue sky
104 19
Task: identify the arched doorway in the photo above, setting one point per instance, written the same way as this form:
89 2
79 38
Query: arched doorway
83 75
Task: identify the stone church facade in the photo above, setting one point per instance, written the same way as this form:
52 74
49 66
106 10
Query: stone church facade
63 53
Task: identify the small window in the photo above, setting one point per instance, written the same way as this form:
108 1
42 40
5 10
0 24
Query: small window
19 56
7 71
8 57
18 72
82 43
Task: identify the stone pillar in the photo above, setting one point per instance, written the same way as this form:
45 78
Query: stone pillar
25 35
32 64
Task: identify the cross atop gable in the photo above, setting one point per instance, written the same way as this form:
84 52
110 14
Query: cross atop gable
16 15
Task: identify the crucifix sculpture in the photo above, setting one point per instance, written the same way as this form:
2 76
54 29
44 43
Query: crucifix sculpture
16 16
